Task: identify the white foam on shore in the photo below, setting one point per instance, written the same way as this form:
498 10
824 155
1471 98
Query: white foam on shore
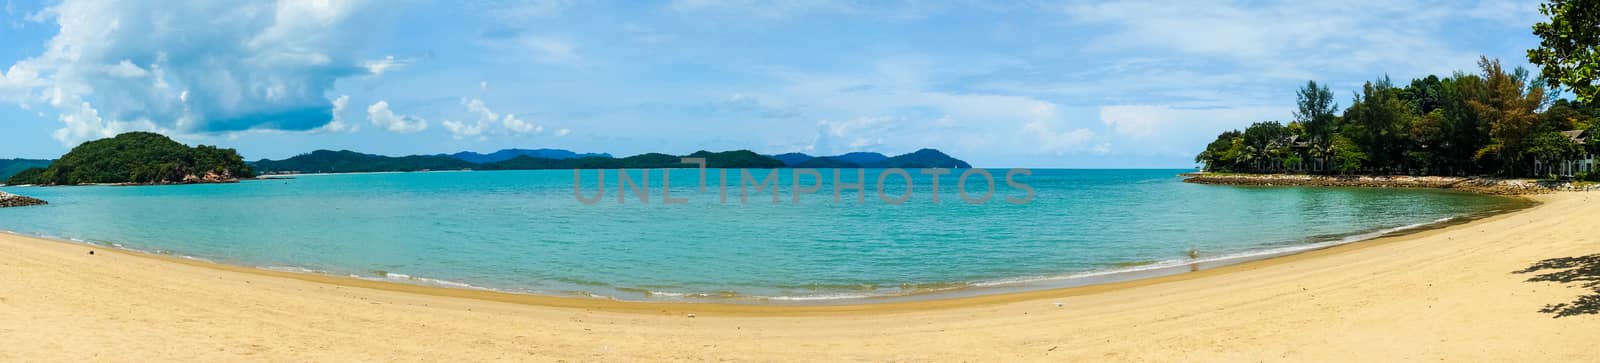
1233 257
824 297
431 281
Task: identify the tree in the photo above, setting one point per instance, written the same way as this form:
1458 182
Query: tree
1428 135
1497 121
1550 147
1316 111
1424 94
1376 121
1215 153
1569 49
1346 156
139 157
1506 106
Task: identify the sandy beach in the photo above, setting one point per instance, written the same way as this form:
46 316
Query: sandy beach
1449 294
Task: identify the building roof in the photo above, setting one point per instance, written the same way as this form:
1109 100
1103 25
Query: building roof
1578 136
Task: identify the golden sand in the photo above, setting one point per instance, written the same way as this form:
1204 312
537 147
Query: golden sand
1448 294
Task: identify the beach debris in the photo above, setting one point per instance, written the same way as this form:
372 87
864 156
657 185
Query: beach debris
91 252
1059 304
691 315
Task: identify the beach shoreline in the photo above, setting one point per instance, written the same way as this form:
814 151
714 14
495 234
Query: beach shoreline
952 290
1477 185
1435 294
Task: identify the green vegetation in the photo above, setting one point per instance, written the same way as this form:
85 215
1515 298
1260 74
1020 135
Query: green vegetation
141 158
324 161
345 161
924 158
1491 123
1569 50
10 167
726 159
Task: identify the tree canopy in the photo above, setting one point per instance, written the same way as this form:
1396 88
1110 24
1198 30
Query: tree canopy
1495 122
1569 48
138 157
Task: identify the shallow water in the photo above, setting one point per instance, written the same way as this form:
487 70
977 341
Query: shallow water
524 231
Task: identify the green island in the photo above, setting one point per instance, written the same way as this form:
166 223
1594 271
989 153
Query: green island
138 158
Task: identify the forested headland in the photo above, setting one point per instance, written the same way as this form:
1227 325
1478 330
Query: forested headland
1492 122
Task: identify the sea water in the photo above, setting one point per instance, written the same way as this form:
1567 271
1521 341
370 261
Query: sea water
528 232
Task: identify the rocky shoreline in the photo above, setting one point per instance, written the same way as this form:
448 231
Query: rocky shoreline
1491 186
13 200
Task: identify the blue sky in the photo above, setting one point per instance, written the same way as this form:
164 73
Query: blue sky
1077 84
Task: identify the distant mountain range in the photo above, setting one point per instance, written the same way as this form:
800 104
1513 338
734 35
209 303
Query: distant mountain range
925 158
345 161
508 154
9 167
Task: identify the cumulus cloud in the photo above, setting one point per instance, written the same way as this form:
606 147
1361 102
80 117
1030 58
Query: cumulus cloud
488 122
1042 126
1165 129
381 66
563 132
858 134
338 124
380 115
190 67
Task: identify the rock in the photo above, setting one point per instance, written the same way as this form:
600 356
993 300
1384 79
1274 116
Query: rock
1492 186
13 200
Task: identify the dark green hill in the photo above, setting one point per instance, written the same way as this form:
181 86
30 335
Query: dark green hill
925 158
345 161
323 161
10 167
139 158
737 159
826 163
792 159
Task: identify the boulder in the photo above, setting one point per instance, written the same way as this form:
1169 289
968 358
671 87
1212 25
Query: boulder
13 200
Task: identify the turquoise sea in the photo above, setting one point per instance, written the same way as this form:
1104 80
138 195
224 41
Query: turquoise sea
525 231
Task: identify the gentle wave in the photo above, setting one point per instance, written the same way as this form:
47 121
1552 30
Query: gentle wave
1143 266
1239 257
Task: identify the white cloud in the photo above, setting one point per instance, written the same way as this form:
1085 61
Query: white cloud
380 114
126 69
1302 38
563 132
338 124
460 130
1058 142
381 66
893 108
488 122
191 67
858 134
1042 126
1168 130
17 82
